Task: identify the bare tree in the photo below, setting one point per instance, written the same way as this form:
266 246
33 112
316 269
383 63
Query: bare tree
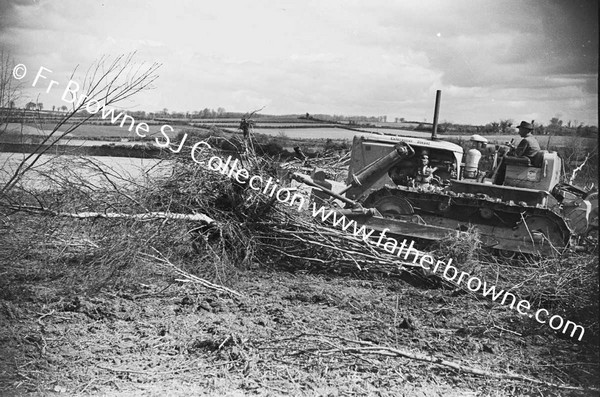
105 83
9 90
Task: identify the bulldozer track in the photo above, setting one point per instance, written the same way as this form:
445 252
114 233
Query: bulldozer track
509 226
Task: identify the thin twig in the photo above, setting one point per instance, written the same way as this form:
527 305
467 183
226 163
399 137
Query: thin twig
165 262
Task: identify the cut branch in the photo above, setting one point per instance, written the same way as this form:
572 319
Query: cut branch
147 216
365 347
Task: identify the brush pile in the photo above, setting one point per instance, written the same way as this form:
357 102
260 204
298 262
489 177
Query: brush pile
252 228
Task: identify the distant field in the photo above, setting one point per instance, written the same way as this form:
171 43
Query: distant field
544 140
417 134
340 133
257 121
91 130
237 120
16 128
308 133
266 125
292 131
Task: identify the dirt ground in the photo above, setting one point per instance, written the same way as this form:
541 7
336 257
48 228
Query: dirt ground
154 335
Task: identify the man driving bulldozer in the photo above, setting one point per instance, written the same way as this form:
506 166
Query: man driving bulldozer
529 148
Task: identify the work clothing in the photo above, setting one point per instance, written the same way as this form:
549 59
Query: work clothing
528 147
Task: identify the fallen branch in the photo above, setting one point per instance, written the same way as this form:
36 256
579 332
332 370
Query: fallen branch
146 216
190 277
373 349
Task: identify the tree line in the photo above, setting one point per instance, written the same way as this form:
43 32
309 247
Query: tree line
556 126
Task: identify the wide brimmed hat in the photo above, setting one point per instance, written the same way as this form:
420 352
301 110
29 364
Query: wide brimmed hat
525 125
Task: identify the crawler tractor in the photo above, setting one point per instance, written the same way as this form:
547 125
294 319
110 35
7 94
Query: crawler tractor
526 210
529 211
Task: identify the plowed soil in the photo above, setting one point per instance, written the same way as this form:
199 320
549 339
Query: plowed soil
156 336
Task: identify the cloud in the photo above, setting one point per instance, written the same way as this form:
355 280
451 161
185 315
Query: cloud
9 12
491 58
571 31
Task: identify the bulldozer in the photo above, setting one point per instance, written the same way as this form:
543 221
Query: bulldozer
526 210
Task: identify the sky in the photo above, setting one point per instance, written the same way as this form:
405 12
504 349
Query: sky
492 59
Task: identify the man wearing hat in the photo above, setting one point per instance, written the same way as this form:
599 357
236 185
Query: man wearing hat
529 146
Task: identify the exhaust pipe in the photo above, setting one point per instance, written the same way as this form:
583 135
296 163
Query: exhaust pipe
438 95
